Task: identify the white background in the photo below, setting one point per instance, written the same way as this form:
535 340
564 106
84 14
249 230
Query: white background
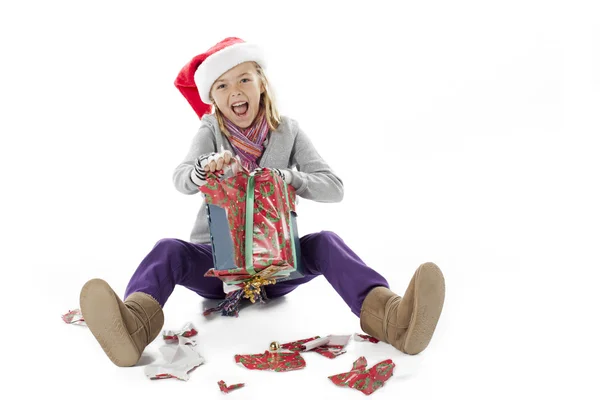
465 133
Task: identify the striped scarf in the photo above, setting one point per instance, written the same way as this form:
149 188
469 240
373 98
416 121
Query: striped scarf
248 142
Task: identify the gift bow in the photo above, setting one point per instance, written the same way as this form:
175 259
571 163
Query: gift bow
252 288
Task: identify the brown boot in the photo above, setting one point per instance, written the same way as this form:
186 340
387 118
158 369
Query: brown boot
406 323
123 329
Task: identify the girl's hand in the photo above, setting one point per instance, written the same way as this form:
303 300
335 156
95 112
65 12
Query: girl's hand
218 161
212 162
285 174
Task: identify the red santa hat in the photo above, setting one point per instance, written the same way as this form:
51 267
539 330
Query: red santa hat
197 77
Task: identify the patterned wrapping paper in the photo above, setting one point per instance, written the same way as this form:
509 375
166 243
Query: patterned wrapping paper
359 337
272 236
230 194
185 333
363 379
272 241
272 361
74 317
328 349
227 389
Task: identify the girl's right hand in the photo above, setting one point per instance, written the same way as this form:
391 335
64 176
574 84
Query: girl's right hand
212 162
218 161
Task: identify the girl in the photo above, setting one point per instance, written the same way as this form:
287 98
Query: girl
230 78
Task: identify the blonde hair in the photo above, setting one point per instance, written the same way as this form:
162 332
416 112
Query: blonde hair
267 103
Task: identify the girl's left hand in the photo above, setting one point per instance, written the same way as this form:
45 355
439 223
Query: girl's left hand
283 173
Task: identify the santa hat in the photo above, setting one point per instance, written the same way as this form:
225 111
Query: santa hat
197 77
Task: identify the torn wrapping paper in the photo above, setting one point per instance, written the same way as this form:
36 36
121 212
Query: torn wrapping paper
173 337
252 224
226 389
329 346
298 345
275 361
257 209
73 317
313 344
179 361
363 379
359 337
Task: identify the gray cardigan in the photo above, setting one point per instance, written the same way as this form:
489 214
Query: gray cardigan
288 147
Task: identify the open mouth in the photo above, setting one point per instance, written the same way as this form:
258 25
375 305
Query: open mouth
240 108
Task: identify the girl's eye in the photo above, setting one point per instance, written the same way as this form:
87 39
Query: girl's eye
221 86
244 80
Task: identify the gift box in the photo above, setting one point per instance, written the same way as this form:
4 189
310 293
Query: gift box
253 227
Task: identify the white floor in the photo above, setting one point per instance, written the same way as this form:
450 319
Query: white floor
508 325
466 133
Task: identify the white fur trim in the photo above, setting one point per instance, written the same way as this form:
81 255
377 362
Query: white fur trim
222 61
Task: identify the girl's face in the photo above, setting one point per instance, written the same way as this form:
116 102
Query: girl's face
237 94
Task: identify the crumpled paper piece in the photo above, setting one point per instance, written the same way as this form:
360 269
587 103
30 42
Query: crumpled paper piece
329 346
226 389
363 379
73 317
272 360
359 337
180 360
181 336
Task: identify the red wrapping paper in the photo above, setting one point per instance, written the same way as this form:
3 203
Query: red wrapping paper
271 243
363 379
275 361
187 331
365 338
226 389
329 351
297 345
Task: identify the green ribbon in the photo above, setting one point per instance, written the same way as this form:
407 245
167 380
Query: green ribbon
249 223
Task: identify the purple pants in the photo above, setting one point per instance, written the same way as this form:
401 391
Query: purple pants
176 262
